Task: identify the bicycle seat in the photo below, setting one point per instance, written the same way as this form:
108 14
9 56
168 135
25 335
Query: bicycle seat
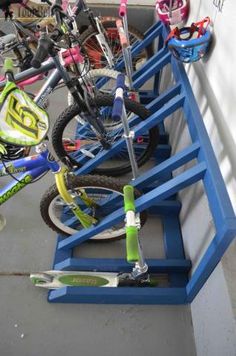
7 40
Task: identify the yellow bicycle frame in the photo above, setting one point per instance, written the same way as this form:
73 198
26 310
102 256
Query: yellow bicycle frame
85 219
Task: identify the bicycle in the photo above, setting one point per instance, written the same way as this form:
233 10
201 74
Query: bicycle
73 203
72 127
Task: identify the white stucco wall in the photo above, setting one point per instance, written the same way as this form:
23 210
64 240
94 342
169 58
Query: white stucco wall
213 82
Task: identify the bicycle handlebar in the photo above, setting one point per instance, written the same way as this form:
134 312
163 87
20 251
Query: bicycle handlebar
118 101
132 245
123 8
45 47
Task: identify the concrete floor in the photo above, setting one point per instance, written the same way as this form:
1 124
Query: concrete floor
30 326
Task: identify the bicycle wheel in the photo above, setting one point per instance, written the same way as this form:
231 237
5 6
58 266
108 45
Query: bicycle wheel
58 216
90 44
102 80
74 140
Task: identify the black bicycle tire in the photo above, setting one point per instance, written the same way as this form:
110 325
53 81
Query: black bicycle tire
103 100
80 181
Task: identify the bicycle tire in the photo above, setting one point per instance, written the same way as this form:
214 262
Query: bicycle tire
90 33
103 73
95 74
84 182
104 101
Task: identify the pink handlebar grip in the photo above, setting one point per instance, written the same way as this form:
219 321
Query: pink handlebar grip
123 39
123 8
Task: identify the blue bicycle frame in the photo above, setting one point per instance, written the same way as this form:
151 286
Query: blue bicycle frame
30 168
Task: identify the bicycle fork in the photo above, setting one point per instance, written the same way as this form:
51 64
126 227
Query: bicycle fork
82 101
60 173
85 219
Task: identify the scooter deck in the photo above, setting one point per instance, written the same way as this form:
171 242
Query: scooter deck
59 279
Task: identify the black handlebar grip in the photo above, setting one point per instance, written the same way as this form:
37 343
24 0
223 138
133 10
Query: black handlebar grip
42 51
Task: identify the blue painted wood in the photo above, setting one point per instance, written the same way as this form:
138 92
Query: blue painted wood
163 151
211 258
218 198
214 184
152 70
164 191
157 26
156 193
150 62
167 166
61 255
140 129
126 295
157 78
164 98
174 247
121 265
166 207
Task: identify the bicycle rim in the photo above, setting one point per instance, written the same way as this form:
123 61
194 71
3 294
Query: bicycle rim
61 215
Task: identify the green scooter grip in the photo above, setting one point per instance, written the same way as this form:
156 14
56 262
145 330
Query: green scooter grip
132 249
129 198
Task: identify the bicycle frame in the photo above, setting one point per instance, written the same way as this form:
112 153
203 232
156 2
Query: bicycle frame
32 75
30 168
33 167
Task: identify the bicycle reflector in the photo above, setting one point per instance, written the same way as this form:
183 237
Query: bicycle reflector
189 44
22 122
172 12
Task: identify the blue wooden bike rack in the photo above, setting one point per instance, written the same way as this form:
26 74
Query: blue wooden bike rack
160 187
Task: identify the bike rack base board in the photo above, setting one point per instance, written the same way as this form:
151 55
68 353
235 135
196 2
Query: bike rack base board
120 295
